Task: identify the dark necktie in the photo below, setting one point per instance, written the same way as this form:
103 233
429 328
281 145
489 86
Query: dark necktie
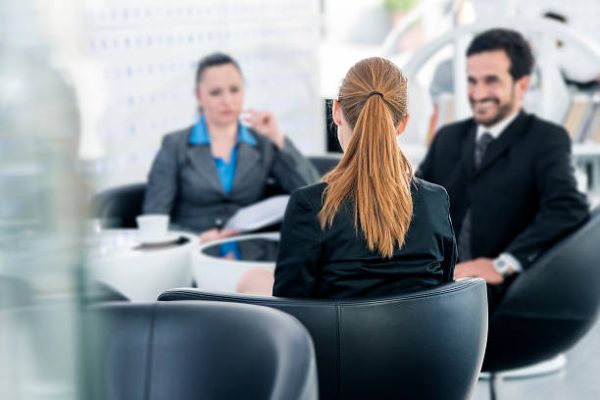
464 238
480 148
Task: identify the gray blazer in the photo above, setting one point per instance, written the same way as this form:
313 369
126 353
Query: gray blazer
183 181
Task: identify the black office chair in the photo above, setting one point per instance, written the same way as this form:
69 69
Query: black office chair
424 345
118 207
197 350
324 163
550 306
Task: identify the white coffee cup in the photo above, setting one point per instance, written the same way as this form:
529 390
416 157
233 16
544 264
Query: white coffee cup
152 226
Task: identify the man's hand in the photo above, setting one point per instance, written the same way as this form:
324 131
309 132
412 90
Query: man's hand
264 123
478 268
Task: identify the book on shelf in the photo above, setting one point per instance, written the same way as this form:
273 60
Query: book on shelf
592 133
579 112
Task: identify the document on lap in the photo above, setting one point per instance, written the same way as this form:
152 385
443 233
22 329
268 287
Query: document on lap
259 215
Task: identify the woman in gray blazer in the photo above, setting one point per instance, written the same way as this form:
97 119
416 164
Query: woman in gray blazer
203 174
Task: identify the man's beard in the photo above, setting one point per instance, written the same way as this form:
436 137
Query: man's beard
502 113
503 110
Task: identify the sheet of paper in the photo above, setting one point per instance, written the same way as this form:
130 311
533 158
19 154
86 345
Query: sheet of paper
259 215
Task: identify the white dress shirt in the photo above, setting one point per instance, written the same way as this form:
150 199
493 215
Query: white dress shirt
497 129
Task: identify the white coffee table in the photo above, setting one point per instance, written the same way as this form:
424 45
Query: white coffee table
141 273
217 266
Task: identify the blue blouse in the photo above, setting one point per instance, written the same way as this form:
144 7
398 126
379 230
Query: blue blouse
225 170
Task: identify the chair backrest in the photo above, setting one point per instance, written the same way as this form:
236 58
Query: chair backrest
426 345
325 163
550 306
198 350
118 207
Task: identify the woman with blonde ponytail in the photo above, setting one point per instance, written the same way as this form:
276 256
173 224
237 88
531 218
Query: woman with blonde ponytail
370 228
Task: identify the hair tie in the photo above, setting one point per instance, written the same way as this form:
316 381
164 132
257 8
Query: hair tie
375 92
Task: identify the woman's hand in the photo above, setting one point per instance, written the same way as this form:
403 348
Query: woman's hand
265 124
216 234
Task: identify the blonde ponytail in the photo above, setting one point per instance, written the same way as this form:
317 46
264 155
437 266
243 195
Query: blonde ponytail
373 174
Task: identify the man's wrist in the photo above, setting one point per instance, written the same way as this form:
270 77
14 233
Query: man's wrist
506 264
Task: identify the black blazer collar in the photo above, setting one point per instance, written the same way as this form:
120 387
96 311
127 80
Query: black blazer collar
468 146
511 133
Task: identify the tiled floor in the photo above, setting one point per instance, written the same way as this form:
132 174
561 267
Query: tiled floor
580 380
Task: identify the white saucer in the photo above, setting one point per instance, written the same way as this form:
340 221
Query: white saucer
167 239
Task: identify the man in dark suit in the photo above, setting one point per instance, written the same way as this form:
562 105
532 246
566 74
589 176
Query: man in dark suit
508 173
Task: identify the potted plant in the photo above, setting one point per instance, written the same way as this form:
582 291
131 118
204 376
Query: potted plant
399 8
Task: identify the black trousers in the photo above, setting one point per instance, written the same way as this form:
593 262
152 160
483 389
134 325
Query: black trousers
495 293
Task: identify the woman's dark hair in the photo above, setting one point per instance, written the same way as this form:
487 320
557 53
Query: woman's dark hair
214 60
512 43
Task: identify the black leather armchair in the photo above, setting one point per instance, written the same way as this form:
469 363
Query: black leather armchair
325 163
118 207
424 345
551 305
197 350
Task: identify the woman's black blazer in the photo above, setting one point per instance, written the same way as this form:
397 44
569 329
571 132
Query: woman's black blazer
336 263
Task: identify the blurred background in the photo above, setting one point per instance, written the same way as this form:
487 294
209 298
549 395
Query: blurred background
88 88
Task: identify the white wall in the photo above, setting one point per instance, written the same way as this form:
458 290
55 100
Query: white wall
363 22
583 15
148 50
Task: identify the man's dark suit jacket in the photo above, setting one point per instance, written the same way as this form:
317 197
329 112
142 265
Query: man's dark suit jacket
336 263
523 198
